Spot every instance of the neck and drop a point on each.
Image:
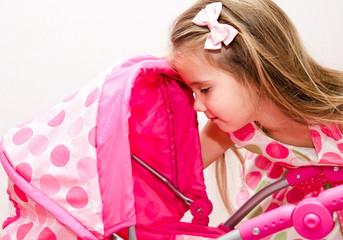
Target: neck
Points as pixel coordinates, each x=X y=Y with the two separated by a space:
x=280 y=127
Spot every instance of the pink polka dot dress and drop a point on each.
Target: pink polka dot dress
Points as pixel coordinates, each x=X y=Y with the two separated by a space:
x=267 y=161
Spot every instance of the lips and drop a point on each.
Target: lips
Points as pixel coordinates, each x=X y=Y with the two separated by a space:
x=212 y=118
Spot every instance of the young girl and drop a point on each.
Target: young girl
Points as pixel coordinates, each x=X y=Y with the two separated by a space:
x=261 y=90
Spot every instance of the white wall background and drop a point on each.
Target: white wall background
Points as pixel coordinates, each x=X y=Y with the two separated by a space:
x=49 y=49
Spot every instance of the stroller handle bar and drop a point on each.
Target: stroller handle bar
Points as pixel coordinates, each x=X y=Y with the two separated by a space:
x=291 y=179
x=254 y=201
x=312 y=218
x=185 y=199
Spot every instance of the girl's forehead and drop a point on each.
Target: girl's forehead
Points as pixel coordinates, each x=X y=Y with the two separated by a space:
x=189 y=58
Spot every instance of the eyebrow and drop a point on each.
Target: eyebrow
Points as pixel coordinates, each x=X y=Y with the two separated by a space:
x=197 y=83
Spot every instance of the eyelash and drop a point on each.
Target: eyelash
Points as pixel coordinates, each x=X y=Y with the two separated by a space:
x=205 y=90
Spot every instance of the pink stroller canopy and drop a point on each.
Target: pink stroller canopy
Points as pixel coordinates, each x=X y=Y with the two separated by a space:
x=71 y=175
x=70 y=170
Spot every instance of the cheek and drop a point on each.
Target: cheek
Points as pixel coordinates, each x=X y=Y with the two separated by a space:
x=218 y=105
x=243 y=97
x=252 y=100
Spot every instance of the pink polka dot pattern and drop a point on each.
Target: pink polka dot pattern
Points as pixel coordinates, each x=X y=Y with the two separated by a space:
x=66 y=234
x=23 y=230
x=316 y=140
x=22 y=136
x=60 y=155
x=77 y=197
x=252 y=179
x=91 y=137
x=57 y=120
x=92 y=97
x=46 y=233
x=331 y=158
x=287 y=155
x=332 y=131
x=25 y=170
x=87 y=168
x=20 y=193
x=65 y=177
x=57 y=154
x=263 y=162
x=286 y=165
x=275 y=171
x=276 y=150
x=49 y=184
x=38 y=144
x=340 y=147
x=6 y=237
x=272 y=206
x=42 y=214
x=36 y=223
x=246 y=133
x=272 y=160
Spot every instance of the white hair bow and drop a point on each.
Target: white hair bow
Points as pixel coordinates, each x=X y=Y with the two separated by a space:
x=218 y=32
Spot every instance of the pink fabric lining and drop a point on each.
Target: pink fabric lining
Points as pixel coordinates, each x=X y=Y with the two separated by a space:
x=62 y=215
x=117 y=189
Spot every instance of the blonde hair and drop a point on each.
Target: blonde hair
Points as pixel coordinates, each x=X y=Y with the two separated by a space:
x=267 y=55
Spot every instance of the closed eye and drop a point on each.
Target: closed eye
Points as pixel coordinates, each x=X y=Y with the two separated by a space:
x=205 y=90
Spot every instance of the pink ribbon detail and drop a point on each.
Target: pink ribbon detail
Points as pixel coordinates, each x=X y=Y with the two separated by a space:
x=219 y=32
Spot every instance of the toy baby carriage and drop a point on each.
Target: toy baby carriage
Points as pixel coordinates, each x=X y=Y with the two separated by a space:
x=71 y=175
x=70 y=170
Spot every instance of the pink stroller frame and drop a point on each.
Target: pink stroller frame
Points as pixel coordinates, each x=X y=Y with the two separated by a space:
x=121 y=159
x=312 y=218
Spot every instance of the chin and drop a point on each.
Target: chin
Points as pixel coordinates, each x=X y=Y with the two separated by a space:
x=227 y=127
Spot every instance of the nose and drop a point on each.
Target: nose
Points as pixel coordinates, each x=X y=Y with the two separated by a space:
x=198 y=105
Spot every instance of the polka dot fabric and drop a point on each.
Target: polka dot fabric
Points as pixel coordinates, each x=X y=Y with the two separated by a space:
x=70 y=169
x=56 y=154
x=35 y=222
x=267 y=161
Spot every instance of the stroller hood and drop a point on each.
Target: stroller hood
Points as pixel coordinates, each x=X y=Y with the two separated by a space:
x=70 y=169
